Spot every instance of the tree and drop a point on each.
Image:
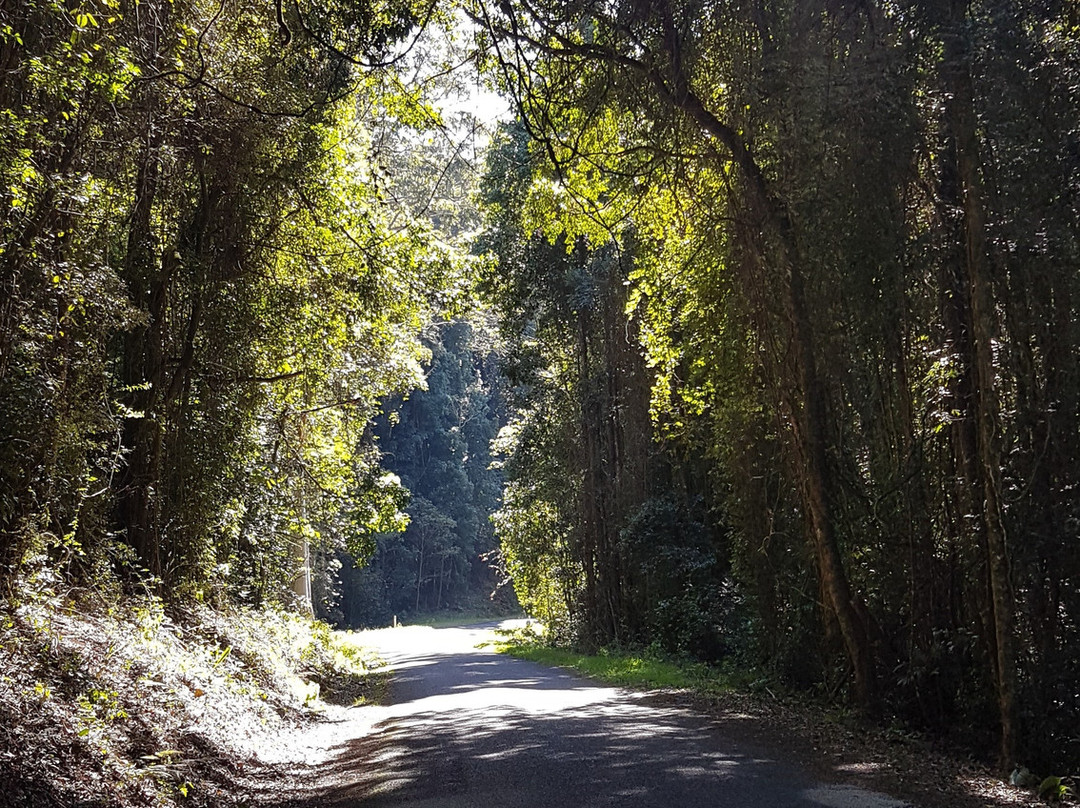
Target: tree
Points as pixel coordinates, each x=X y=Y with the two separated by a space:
x=577 y=452
x=655 y=50
x=841 y=241
x=204 y=290
x=438 y=441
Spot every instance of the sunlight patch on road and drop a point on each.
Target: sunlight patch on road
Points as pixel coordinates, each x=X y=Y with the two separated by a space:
x=494 y=697
x=712 y=769
x=859 y=768
x=414 y=663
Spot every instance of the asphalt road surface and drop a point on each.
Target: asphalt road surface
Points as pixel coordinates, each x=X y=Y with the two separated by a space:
x=468 y=727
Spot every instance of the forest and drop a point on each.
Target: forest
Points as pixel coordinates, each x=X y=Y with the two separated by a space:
x=749 y=334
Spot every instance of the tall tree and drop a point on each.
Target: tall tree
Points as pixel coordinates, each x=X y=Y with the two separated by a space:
x=655 y=50
x=438 y=442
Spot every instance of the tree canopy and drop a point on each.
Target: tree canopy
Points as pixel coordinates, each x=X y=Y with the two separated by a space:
x=828 y=248
x=205 y=296
x=753 y=329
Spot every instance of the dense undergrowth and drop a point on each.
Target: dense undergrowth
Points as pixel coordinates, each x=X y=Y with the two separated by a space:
x=110 y=701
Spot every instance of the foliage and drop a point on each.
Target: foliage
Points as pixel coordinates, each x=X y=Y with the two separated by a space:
x=785 y=300
x=205 y=297
x=843 y=255
x=437 y=441
x=1054 y=789
x=675 y=578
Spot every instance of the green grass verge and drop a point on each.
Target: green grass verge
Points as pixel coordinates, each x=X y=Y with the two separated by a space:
x=631 y=670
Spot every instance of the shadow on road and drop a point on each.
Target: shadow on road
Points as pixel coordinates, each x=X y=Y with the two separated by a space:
x=475 y=729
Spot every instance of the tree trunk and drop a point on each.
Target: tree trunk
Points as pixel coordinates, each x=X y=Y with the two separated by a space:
x=442 y=572
x=301 y=584
x=143 y=371
x=590 y=526
x=810 y=418
x=771 y=239
x=956 y=75
x=420 y=573
x=142 y=368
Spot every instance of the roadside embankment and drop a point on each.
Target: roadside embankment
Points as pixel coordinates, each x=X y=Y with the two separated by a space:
x=127 y=702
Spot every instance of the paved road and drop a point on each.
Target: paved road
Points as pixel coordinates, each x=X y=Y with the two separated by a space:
x=467 y=727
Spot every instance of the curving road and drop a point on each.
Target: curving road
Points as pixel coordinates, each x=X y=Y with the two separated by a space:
x=467 y=727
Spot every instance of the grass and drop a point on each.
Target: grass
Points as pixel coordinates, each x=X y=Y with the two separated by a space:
x=626 y=668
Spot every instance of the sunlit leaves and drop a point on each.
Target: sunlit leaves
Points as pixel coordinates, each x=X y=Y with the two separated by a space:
x=204 y=295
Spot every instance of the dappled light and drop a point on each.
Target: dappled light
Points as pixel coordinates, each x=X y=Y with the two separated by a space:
x=467 y=727
x=738 y=343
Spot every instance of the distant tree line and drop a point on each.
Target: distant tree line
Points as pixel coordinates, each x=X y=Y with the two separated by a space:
x=792 y=309
x=438 y=441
